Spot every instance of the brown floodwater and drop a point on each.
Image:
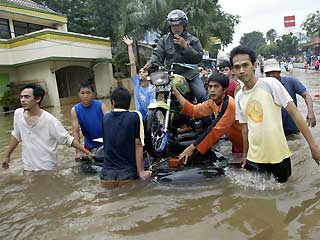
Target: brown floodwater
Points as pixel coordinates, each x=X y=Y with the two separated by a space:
x=65 y=204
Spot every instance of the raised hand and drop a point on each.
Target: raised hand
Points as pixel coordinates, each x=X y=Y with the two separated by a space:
x=127 y=40
x=146 y=67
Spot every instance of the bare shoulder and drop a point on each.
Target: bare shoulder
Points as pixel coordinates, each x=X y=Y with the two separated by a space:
x=73 y=111
x=104 y=108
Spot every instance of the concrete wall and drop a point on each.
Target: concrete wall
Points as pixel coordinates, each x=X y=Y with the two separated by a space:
x=40 y=72
x=56 y=65
x=44 y=73
x=104 y=80
x=103 y=74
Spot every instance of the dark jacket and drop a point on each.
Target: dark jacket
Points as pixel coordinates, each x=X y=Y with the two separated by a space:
x=167 y=52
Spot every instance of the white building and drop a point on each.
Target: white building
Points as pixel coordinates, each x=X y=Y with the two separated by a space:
x=35 y=46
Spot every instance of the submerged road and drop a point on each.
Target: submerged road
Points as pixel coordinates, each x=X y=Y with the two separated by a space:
x=68 y=205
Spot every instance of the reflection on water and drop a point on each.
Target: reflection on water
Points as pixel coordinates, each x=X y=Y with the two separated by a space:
x=66 y=204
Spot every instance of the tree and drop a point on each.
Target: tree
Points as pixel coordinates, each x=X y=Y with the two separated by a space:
x=77 y=12
x=206 y=18
x=288 y=44
x=271 y=35
x=269 y=51
x=252 y=40
x=115 y=18
x=312 y=24
x=94 y=17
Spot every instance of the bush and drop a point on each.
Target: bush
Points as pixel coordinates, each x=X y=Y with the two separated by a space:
x=7 y=99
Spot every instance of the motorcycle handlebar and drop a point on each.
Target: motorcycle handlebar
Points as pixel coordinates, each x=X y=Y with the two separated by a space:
x=156 y=67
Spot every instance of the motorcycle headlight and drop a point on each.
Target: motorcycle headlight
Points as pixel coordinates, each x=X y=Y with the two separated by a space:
x=159 y=78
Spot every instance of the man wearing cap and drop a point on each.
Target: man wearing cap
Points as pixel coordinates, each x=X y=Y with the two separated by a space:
x=293 y=86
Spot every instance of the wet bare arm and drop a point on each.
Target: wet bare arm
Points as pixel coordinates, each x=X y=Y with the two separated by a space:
x=75 y=128
x=144 y=175
x=244 y=129
x=79 y=147
x=132 y=60
x=178 y=95
x=302 y=126
x=311 y=118
x=12 y=146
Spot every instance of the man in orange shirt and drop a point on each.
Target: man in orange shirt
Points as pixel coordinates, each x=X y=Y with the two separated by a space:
x=223 y=110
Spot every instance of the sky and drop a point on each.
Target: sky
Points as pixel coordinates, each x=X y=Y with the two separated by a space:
x=264 y=15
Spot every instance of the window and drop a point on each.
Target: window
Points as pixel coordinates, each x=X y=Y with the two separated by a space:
x=4 y=29
x=21 y=28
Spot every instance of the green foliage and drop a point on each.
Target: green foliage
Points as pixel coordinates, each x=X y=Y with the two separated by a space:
x=312 y=24
x=253 y=40
x=271 y=35
x=116 y=18
x=288 y=45
x=285 y=46
x=269 y=51
x=95 y=17
x=206 y=18
x=7 y=99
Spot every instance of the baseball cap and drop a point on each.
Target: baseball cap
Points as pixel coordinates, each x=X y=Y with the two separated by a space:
x=271 y=65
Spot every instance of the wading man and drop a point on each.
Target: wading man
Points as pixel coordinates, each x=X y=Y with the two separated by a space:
x=294 y=87
x=259 y=111
x=123 y=142
x=87 y=115
x=39 y=132
x=222 y=108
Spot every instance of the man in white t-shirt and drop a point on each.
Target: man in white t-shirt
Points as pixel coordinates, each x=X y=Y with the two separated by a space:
x=39 y=132
x=258 y=110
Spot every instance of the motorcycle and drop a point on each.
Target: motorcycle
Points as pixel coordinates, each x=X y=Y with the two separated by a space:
x=164 y=123
x=205 y=168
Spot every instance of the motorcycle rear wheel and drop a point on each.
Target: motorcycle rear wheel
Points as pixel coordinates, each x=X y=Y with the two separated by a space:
x=156 y=139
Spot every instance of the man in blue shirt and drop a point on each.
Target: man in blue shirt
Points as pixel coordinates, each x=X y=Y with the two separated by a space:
x=294 y=87
x=143 y=95
x=87 y=115
x=123 y=142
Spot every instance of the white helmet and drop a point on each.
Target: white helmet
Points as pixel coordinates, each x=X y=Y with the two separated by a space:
x=176 y=17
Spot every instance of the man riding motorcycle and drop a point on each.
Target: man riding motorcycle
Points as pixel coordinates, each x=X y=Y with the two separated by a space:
x=179 y=46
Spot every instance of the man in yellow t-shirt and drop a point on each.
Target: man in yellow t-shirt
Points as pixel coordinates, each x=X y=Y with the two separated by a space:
x=258 y=109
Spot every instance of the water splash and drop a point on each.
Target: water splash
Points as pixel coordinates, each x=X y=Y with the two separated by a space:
x=253 y=180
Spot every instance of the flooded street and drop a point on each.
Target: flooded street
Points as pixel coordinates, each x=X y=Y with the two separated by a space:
x=66 y=204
